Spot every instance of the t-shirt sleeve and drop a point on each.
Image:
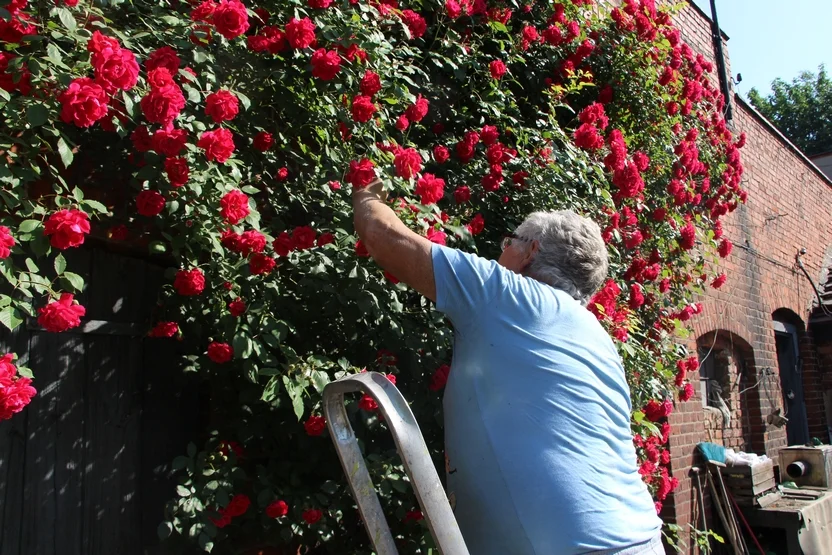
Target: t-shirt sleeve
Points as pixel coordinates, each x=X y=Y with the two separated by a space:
x=465 y=284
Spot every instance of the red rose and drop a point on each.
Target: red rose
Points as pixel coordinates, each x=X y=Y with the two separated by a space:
x=300 y=32
x=234 y=206
x=217 y=144
x=14 y=80
x=303 y=237
x=237 y=307
x=725 y=248
x=259 y=263
x=325 y=64
x=367 y=403
x=251 y=241
x=222 y=106
x=165 y=57
x=719 y=281
x=67 y=228
x=189 y=282
x=142 y=141
x=220 y=353
x=477 y=225
x=441 y=154
x=6 y=242
x=418 y=110
x=370 y=83
x=15 y=396
x=408 y=163
x=325 y=239
x=283 y=244
x=118 y=232
x=61 y=315
x=361 y=173
x=636 y=296
x=277 y=509
x=177 y=171
x=462 y=194
x=492 y=181
x=430 y=188
x=282 y=174
x=83 y=103
x=319 y=4
x=361 y=250
x=587 y=137
x=238 y=505
x=688 y=237
x=315 y=425
x=363 y=108
x=439 y=378
x=686 y=392
x=415 y=23
x=402 y=123
x=230 y=18
x=497 y=69
x=204 y=11
x=169 y=142
x=150 y=203
x=164 y=329
x=99 y=44
x=263 y=141
x=311 y=516
x=438 y=237
x=489 y=135
x=116 y=69
x=162 y=105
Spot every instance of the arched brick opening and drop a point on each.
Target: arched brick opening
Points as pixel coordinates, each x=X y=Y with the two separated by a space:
x=728 y=390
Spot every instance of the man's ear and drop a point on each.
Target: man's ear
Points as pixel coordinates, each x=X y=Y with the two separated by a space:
x=531 y=252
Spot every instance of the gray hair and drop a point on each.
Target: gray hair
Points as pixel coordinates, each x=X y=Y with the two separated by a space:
x=572 y=255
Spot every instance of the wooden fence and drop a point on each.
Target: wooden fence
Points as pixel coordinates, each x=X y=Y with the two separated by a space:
x=85 y=468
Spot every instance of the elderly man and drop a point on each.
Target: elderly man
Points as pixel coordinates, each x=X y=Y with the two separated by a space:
x=539 y=451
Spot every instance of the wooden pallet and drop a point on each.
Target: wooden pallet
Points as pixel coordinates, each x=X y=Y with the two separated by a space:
x=751 y=486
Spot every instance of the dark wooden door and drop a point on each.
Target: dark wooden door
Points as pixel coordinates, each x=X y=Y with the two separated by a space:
x=85 y=468
x=791 y=381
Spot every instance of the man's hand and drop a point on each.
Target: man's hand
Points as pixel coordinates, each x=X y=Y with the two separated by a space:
x=392 y=244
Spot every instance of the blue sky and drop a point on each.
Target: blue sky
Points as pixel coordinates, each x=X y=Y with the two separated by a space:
x=774 y=38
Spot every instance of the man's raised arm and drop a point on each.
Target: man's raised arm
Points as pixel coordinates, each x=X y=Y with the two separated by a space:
x=392 y=244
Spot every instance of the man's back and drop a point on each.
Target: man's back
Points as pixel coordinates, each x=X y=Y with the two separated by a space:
x=537 y=410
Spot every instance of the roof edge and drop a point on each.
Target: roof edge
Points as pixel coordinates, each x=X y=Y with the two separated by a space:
x=783 y=139
x=707 y=17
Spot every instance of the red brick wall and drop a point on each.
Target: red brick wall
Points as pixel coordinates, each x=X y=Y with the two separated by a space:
x=789 y=207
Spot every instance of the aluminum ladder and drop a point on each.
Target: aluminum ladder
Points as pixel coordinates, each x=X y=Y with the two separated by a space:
x=413 y=452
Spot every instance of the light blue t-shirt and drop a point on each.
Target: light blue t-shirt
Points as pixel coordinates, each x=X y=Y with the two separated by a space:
x=539 y=452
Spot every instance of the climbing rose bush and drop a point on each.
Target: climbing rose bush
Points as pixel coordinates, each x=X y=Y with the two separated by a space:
x=225 y=138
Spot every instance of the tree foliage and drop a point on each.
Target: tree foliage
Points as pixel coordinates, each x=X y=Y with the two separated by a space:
x=801 y=110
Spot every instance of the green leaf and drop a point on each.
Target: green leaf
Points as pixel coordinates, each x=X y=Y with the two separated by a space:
x=31 y=266
x=60 y=264
x=10 y=317
x=270 y=391
x=75 y=281
x=244 y=100
x=295 y=392
x=182 y=491
x=54 y=54
x=205 y=542
x=25 y=372
x=95 y=205
x=164 y=530
x=67 y=19
x=28 y=226
x=243 y=346
x=37 y=114
x=65 y=152
x=180 y=462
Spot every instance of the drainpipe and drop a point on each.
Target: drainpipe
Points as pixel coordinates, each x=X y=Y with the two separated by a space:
x=724 y=84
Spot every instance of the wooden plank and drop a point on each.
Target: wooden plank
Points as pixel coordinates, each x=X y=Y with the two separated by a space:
x=744 y=487
x=13 y=455
x=39 y=495
x=111 y=497
x=764 y=467
x=69 y=449
x=768 y=499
